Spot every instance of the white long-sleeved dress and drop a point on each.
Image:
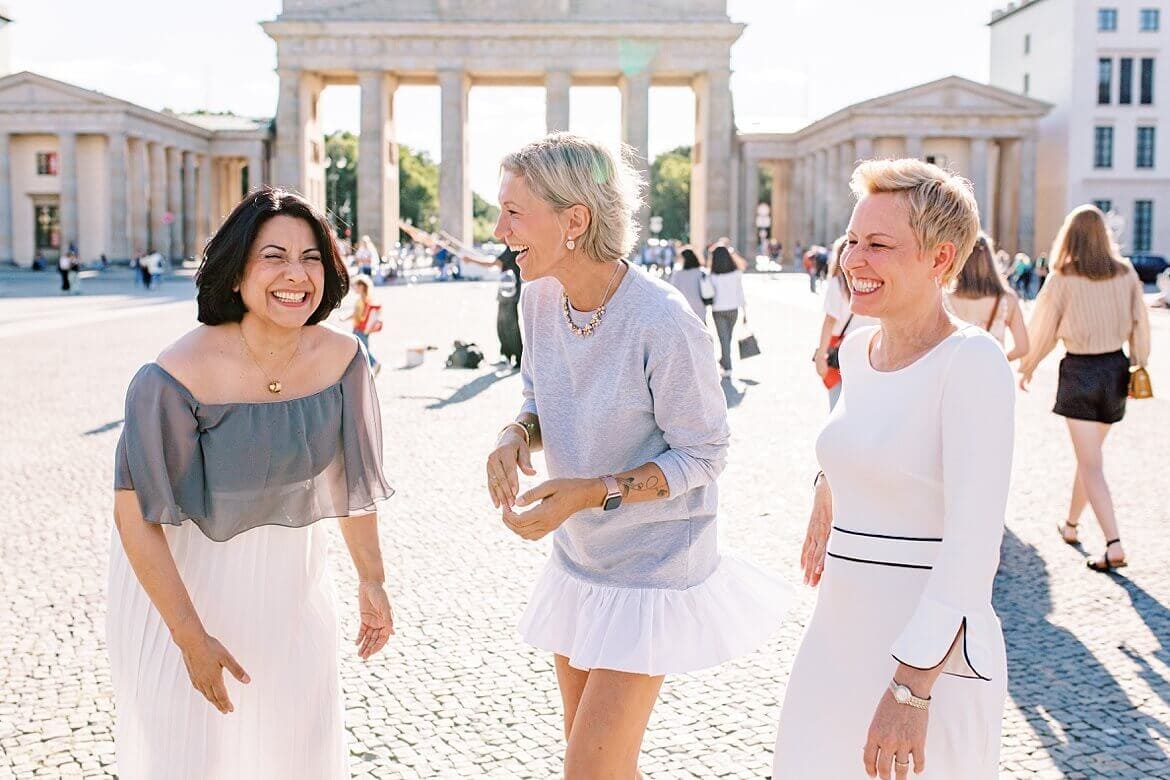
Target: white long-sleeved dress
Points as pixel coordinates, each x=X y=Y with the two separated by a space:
x=919 y=462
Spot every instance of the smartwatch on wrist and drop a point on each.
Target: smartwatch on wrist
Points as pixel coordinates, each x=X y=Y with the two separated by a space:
x=613 y=494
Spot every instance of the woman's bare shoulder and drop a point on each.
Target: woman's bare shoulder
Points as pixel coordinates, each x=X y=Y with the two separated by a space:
x=186 y=357
x=330 y=346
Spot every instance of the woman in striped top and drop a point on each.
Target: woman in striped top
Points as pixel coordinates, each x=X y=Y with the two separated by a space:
x=1093 y=302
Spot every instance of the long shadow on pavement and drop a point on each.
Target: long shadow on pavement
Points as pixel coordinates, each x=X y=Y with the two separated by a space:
x=471 y=389
x=1073 y=703
x=1157 y=618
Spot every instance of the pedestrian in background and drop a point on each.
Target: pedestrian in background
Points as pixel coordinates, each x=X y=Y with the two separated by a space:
x=367 y=317
x=621 y=395
x=242 y=436
x=688 y=280
x=65 y=268
x=727 y=281
x=1094 y=303
x=981 y=296
x=909 y=509
x=839 y=322
x=1023 y=275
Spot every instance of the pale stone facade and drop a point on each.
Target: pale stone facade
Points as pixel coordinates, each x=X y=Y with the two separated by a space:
x=79 y=168
x=984 y=133
x=458 y=44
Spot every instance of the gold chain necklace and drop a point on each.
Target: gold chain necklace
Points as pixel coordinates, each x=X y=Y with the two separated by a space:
x=598 y=313
x=274 y=385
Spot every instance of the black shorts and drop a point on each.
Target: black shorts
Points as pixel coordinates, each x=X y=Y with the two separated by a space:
x=1093 y=387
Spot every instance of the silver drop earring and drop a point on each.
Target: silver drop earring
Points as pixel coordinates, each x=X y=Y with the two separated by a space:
x=570 y=244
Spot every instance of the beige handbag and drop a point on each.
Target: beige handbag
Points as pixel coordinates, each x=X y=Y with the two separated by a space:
x=1139 y=383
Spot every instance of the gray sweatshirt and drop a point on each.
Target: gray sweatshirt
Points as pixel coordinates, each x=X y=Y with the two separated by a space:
x=643 y=387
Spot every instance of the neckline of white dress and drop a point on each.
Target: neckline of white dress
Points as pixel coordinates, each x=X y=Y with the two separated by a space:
x=931 y=351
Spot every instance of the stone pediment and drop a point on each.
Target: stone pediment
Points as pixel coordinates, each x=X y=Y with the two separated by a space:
x=504 y=10
x=953 y=94
x=31 y=91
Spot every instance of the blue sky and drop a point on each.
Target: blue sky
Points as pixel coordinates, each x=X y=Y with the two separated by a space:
x=797 y=61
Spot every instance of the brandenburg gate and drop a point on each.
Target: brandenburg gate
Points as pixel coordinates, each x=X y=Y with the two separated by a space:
x=457 y=44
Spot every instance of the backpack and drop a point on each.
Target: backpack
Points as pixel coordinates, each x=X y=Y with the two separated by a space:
x=465 y=355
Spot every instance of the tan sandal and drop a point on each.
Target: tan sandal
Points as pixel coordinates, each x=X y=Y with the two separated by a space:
x=1062 y=528
x=1107 y=564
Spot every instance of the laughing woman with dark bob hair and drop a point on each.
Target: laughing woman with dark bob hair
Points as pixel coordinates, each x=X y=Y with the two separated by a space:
x=238 y=439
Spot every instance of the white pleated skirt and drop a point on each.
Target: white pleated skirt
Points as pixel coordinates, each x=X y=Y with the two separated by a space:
x=844 y=666
x=268 y=597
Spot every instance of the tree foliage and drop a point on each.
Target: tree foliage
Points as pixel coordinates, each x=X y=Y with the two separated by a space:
x=670 y=192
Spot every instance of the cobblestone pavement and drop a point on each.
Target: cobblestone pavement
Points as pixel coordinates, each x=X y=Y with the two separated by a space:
x=455 y=694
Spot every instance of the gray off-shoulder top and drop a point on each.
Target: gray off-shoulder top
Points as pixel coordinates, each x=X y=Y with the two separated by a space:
x=235 y=466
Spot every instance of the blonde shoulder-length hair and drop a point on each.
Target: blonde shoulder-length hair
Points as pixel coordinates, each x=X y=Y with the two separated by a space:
x=941 y=204
x=1083 y=246
x=566 y=170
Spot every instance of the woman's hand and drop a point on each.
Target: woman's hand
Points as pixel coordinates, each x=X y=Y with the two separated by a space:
x=559 y=499
x=816 y=538
x=897 y=732
x=206 y=659
x=377 y=619
x=822 y=361
x=511 y=452
x=1025 y=380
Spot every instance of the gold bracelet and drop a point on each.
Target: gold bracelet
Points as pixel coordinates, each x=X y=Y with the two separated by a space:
x=523 y=430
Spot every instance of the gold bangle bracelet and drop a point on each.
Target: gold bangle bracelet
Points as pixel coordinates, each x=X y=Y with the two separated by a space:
x=523 y=430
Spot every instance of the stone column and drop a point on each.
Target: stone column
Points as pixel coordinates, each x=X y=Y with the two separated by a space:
x=556 y=100
x=118 y=244
x=832 y=193
x=749 y=182
x=378 y=161
x=208 y=220
x=635 y=89
x=138 y=181
x=1026 y=235
x=820 y=175
x=712 y=158
x=67 y=164
x=256 y=174
x=160 y=234
x=980 y=180
x=290 y=132
x=6 y=254
x=190 y=210
x=781 y=185
x=174 y=163
x=862 y=150
x=454 y=182
x=914 y=146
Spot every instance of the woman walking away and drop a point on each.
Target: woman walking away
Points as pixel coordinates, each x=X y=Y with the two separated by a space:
x=367 y=317
x=727 y=279
x=982 y=297
x=689 y=280
x=621 y=394
x=839 y=322
x=222 y=622
x=903 y=663
x=1093 y=301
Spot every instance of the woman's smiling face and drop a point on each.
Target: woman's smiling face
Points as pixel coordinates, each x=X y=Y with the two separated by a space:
x=284 y=279
x=531 y=227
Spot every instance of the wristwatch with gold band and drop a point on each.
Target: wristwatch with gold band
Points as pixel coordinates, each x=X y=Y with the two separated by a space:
x=903 y=695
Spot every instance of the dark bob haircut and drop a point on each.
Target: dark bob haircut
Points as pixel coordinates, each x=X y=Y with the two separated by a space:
x=227 y=252
x=690 y=259
x=721 y=261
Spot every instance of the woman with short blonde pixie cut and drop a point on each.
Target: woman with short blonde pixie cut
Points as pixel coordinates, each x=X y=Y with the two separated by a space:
x=1094 y=302
x=909 y=508
x=621 y=393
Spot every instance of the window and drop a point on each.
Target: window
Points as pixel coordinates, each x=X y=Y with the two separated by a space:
x=1105 y=205
x=1104 y=81
x=1125 y=81
x=1027 y=84
x=1143 y=224
x=1106 y=19
x=1103 y=147
x=46 y=163
x=1145 y=147
x=1147 y=95
x=1027 y=43
x=1149 y=20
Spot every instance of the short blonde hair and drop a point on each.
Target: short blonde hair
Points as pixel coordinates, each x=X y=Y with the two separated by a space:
x=941 y=204
x=566 y=170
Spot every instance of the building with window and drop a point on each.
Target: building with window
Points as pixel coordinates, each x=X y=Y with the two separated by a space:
x=1101 y=65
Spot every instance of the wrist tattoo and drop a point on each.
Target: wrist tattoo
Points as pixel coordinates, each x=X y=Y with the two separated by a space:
x=626 y=484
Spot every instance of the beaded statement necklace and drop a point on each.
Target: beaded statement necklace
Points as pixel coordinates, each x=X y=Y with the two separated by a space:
x=598 y=313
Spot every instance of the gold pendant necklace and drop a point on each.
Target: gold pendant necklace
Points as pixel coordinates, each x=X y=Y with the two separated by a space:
x=274 y=385
x=595 y=320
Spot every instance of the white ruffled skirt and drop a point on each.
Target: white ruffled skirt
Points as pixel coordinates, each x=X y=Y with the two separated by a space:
x=655 y=631
x=267 y=596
